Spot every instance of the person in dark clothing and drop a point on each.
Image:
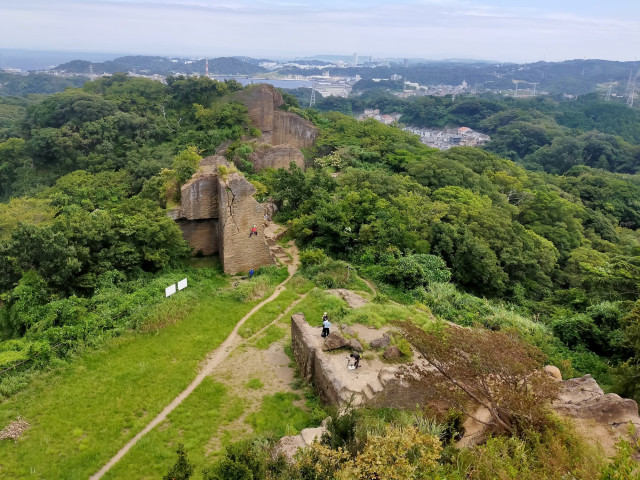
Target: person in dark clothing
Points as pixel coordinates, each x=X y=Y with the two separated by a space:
x=356 y=357
x=325 y=325
x=251 y=273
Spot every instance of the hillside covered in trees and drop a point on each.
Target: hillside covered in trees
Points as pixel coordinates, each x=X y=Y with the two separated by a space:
x=535 y=237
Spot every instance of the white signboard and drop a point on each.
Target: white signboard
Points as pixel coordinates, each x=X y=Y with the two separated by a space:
x=182 y=284
x=170 y=290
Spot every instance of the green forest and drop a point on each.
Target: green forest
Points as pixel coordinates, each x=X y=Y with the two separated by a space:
x=535 y=235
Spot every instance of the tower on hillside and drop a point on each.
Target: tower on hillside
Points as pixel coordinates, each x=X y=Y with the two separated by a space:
x=312 y=100
x=355 y=59
x=206 y=67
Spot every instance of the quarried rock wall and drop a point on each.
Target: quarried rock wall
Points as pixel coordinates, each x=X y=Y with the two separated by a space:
x=400 y=385
x=277 y=126
x=279 y=156
x=201 y=235
x=239 y=212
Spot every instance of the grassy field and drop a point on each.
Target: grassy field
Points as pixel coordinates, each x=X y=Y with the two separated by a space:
x=83 y=413
x=192 y=424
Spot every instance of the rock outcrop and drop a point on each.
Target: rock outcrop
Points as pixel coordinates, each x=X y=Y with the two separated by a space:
x=279 y=156
x=599 y=416
x=278 y=127
x=216 y=215
x=376 y=383
x=239 y=211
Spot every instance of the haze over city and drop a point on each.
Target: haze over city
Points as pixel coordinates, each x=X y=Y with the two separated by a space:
x=432 y=29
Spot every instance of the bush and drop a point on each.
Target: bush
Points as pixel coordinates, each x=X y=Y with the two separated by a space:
x=418 y=270
x=182 y=469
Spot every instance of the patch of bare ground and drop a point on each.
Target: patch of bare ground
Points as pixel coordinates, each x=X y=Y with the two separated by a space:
x=14 y=430
x=271 y=367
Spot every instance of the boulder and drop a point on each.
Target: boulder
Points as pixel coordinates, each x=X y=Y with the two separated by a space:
x=334 y=341
x=354 y=344
x=392 y=352
x=347 y=330
x=381 y=342
x=553 y=372
x=583 y=398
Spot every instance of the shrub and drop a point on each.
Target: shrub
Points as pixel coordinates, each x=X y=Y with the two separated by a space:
x=417 y=270
x=182 y=469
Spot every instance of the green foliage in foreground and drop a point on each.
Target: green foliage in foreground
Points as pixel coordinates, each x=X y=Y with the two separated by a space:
x=399 y=445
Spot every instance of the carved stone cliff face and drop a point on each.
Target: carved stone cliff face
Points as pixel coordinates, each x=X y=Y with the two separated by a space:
x=239 y=211
x=279 y=156
x=277 y=126
x=216 y=216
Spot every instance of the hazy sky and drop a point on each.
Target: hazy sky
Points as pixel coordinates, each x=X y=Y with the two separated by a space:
x=483 y=29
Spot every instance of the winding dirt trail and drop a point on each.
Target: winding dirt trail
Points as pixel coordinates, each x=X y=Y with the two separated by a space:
x=212 y=361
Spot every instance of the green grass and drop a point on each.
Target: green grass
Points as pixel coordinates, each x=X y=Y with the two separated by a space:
x=316 y=303
x=255 y=384
x=278 y=415
x=193 y=424
x=81 y=414
x=270 y=335
x=268 y=313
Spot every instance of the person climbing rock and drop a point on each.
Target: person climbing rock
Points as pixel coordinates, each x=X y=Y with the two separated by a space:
x=356 y=357
x=325 y=325
x=254 y=231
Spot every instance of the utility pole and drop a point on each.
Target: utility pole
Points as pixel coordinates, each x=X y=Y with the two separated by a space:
x=312 y=100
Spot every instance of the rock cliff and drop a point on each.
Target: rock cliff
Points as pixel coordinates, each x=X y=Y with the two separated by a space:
x=239 y=211
x=279 y=156
x=278 y=127
x=216 y=215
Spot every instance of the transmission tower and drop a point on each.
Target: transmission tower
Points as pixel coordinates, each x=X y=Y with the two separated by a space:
x=631 y=88
x=90 y=72
x=608 y=96
x=535 y=84
x=312 y=100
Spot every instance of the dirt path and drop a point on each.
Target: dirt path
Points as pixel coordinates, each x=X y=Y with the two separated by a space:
x=211 y=362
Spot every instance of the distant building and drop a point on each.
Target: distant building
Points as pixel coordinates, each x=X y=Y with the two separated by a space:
x=395 y=77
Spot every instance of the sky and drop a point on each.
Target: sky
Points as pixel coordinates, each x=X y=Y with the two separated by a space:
x=500 y=30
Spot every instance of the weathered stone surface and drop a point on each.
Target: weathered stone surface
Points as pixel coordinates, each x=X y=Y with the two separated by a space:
x=293 y=130
x=392 y=352
x=351 y=298
x=381 y=342
x=354 y=344
x=553 y=372
x=201 y=235
x=279 y=156
x=398 y=385
x=199 y=197
x=583 y=398
x=334 y=341
x=347 y=330
x=288 y=446
x=278 y=126
x=239 y=211
x=600 y=418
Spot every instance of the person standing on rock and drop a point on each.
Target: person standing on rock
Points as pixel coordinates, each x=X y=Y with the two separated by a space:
x=254 y=231
x=356 y=357
x=325 y=325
